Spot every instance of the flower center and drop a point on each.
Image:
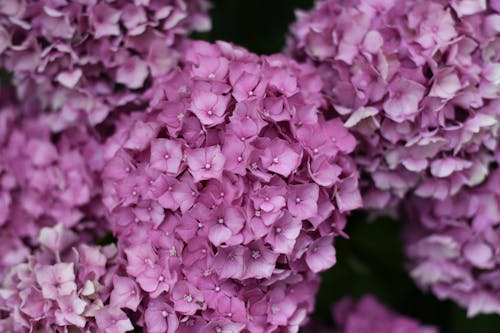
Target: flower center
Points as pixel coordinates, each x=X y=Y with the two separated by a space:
x=256 y=254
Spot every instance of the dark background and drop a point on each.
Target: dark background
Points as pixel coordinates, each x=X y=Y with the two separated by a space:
x=372 y=260
x=259 y=25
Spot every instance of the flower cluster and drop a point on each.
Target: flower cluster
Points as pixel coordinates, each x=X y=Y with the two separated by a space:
x=369 y=315
x=453 y=246
x=228 y=192
x=418 y=82
x=45 y=179
x=66 y=285
x=82 y=59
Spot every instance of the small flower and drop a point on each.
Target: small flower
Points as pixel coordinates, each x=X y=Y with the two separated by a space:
x=302 y=200
x=143 y=265
x=284 y=233
x=57 y=238
x=187 y=299
x=209 y=107
x=205 y=163
x=229 y=262
x=321 y=254
x=166 y=155
x=405 y=96
x=71 y=311
x=260 y=261
x=160 y=317
x=113 y=320
x=57 y=280
x=280 y=158
x=125 y=294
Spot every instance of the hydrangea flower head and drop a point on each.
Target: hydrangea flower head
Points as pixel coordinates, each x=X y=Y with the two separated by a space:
x=369 y=315
x=79 y=60
x=46 y=179
x=416 y=81
x=221 y=193
x=452 y=246
x=53 y=290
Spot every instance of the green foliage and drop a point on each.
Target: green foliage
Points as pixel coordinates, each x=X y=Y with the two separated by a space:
x=5 y=77
x=106 y=239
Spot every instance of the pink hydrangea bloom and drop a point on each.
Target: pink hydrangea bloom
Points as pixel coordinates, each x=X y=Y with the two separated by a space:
x=80 y=60
x=369 y=315
x=51 y=291
x=220 y=193
x=416 y=81
x=452 y=246
x=46 y=179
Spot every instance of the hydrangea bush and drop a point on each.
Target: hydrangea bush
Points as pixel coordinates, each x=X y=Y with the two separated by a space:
x=418 y=81
x=81 y=59
x=227 y=193
x=213 y=196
